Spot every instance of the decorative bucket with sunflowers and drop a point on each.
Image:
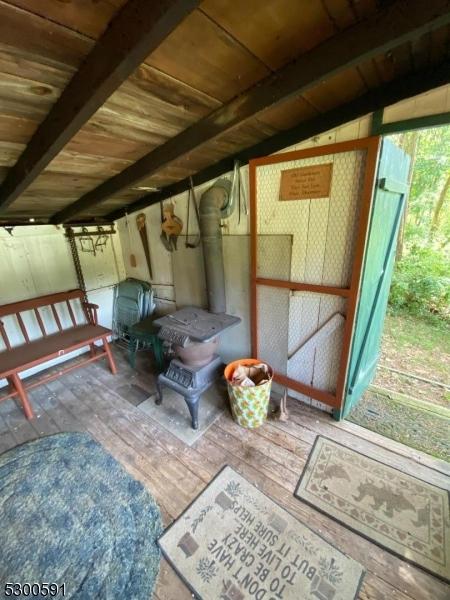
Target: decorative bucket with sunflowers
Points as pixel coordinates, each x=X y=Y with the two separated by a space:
x=249 y=404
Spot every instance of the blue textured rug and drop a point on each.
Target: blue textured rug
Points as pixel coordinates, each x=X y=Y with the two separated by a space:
x=69 y=513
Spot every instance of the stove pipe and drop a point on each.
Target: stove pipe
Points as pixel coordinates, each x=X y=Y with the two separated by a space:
x=212 y=204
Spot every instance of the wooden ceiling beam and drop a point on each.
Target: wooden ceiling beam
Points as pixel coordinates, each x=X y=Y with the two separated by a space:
x=17 y=222
x=376 y=99
x=137 y=29
x=400 y=22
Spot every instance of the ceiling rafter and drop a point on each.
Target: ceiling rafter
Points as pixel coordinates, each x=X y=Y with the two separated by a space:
x=400 y=22
x=378 y=98
x=137 y=29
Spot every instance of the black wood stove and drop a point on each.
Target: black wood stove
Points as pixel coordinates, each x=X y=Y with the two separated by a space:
x=194 y=333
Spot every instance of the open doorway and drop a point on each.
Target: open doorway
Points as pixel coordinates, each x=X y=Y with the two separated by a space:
x=409 y=397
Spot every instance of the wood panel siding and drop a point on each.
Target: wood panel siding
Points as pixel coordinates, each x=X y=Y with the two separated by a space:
x=336 y=90
x=203 y=55
x=136 y=30
x=84 y=16
x=363 y=40
x=384 y=96
x=275 y=31
x=205 y=67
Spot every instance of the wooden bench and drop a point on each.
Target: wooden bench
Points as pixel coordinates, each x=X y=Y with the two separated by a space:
x=62 y=308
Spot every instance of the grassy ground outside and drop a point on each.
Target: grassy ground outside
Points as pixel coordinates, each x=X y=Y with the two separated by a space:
x=420 y=347
x=402 y=408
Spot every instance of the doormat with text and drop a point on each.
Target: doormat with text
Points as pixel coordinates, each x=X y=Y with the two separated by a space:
x=235 y=543
x=407 y=516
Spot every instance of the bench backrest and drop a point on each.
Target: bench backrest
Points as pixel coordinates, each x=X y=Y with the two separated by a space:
x=75 y=313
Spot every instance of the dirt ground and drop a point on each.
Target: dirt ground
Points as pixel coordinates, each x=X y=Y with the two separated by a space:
x=419 y=347
x=416 y=427
x=418 y=414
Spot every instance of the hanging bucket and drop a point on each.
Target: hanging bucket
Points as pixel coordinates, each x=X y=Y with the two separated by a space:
x=249 y=405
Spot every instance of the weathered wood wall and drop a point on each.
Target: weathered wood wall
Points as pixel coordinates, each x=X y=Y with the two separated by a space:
x=37 y=261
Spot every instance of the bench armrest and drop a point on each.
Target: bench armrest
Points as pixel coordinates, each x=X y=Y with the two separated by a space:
x=91 y=310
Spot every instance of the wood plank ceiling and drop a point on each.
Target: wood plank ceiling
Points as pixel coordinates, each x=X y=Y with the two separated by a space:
x=213 y=58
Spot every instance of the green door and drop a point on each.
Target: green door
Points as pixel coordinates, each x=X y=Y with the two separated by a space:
x=387 y=208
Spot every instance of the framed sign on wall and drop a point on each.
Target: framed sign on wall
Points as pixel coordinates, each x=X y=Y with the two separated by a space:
x=306 y=183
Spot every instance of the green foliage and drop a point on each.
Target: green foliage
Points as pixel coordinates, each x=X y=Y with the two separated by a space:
x=421 y=283
x=431 y=167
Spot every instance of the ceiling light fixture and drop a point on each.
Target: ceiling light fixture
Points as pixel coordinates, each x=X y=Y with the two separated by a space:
x=146 y=188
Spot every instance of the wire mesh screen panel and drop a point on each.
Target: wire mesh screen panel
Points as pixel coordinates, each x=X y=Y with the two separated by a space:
x=274 y=255
x=300 y=334
x=273 y=324
x=316 y=326
x=304 y=292
x=323 y=229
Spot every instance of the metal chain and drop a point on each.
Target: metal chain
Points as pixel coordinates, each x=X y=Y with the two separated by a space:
x=76 y=261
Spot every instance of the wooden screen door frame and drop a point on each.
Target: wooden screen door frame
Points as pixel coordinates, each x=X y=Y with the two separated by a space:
x=372 y=147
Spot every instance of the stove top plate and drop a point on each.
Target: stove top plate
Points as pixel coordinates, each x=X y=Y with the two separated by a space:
x=197 y=324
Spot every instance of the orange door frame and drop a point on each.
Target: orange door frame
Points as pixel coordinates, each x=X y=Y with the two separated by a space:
x=372 y=146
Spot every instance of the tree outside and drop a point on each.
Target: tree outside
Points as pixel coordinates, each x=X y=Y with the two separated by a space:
x=417 y=331
x=409 y=399
x=421 y=282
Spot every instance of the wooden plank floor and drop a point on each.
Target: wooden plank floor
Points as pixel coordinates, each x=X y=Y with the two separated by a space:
x=91 y=399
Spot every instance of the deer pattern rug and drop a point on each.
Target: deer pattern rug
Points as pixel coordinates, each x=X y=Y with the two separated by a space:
x=403 y=514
